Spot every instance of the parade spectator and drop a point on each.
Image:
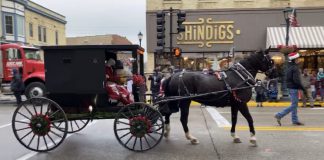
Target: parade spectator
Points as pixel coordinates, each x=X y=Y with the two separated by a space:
x=260 y=90
x=313 y=84
x=272 y=89
x=293 y=83
x=320 y=80
x=17 y=85
x=306 y=82
x=155 y=82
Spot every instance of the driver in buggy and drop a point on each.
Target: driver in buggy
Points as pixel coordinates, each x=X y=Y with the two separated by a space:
x=115 y=88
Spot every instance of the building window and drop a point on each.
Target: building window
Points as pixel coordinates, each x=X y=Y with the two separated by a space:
x=56 y=38
x=42 y=34
x=39 y=33
x=31 y=32
x=20 y=25
x=9 y=23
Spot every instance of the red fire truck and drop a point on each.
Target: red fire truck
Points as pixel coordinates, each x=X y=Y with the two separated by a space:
x=29 y=59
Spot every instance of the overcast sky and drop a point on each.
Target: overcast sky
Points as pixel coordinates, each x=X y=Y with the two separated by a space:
x=98 y=17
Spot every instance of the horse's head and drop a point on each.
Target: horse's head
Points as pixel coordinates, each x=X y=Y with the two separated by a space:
x=264 y=62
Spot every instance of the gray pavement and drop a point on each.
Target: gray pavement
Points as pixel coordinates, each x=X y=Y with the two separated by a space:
x=97 y=141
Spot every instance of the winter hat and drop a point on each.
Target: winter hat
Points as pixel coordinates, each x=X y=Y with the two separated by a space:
x=293 y=55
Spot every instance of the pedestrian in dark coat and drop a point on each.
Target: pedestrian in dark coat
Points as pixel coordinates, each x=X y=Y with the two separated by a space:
x=17 y=85
x=155 y=82
x=294 y=84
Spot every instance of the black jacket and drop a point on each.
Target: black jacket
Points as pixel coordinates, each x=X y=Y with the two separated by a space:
x=155 y=81
x=17 y=85
x=293 y=77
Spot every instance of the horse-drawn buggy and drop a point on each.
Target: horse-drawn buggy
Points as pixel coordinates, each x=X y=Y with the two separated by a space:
x=81 y=87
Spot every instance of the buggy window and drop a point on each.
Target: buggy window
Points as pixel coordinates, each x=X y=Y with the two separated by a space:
x=32 y=54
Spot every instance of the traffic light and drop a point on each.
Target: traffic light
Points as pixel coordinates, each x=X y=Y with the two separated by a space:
x=160 y=28
x=177 y=52
x=181 y=19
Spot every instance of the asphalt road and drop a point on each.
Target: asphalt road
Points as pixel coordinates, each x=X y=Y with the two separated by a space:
x=97 y=140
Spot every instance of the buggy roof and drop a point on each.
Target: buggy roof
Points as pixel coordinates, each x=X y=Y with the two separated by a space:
x=109 y=47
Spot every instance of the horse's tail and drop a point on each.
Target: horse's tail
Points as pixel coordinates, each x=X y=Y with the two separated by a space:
x=165 y=86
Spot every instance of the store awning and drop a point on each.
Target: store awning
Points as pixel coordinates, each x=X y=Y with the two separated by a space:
x=303 y=37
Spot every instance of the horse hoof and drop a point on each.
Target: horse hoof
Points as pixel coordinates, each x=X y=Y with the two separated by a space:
x=194 y=141
x=237 y=140
x=166 y=135
x=253 y=142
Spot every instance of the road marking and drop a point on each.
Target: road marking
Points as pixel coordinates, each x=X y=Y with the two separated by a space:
x=272 y=113
x=33 y=153
x=218 y=118
x=317 y=108
x=279 y=128
x=6 y=125
x=9 y=124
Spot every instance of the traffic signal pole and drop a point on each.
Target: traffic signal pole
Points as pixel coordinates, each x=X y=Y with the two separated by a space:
x=171 y=32
x=161 y=29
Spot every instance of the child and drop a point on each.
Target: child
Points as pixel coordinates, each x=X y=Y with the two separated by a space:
x=260 y=89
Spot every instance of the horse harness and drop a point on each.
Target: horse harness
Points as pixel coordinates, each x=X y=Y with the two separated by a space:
x=240 y=70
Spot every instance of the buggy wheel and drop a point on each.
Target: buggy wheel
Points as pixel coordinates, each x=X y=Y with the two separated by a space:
x=74 y=125
x=139 y=127
x=33 y=124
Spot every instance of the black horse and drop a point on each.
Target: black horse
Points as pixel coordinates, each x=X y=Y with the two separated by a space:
x=231 y=87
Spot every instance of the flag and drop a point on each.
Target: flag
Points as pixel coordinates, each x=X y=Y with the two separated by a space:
x=293 y=19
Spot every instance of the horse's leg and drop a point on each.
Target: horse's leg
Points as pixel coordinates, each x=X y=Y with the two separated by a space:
x=167 y=125
x=184 y=107
x=234 y=111
x=246 y=113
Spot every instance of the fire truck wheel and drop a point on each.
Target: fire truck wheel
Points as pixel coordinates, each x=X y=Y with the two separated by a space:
x=35 y=89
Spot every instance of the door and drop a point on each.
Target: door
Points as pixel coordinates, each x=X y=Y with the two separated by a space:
x=12 y=59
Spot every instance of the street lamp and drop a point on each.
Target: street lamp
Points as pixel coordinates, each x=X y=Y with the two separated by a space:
x=140 y=37
x=286 y=49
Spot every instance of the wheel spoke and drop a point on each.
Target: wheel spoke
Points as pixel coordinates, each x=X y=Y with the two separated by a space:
x=27 y=109
x=22 y=122
x=59 y=120
x=121 y=129
x=25 y=135
x=54 y=113
x=24 y=115
x=31 y=140
x=38 y=142
x=141 y=144
x=77 y=124
x=23 y=128
x=56 y=134
x=124 y=135
x=147 y=141
x=33 y=106
x=134 y=143
x=45 y=142
x=123 y=122
x=128 y=140
x=71 y=126
x=51 y=139
x=83 y=122
x=124 y=116
x=151 y=137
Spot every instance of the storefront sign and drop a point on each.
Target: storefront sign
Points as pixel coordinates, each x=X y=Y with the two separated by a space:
x=207 y=32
